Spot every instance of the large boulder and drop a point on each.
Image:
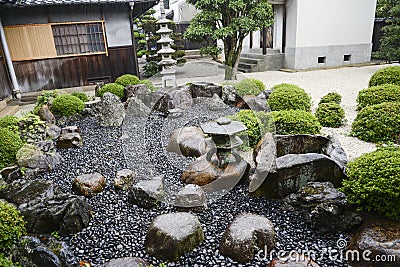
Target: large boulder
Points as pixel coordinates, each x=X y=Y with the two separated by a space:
x=65 y=213
x=245 y=234
x=126 y=262
x=70 y=137
x=124 y=179
x=178 y=97
x=136 y=107
x=204 y=89
x=191 y=197
x=89 y=184
x=256 y=103
x=213 y=103
x=111 y=110
x=46 y=115
x=380 y=238
x=172 y=235
x=140 y=91
x=325 y=207
x=187 y=141
x=23 y=191
x=147 y=193
x=300 y=144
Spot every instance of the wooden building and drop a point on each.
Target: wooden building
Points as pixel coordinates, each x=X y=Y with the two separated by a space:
x=49 y=44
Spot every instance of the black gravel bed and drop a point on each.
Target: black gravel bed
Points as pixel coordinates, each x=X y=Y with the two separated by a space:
x=118 y=229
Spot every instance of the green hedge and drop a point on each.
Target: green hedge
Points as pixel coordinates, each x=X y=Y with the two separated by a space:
x=331 y=97
x=127 y=79
x=249 y=86
x=330 y=114
x=388 y=75
x=10 y=143
x=296 y=122
x=113 y=88
x=373 y=182
x=378 y=123
x=378 y=94
x=12 y=226
x=67 y=105
x=289 y=97
x=4 y=262
x=9 y=122
x=82 y=96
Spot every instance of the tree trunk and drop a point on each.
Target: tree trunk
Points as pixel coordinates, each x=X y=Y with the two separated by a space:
x=232 y=49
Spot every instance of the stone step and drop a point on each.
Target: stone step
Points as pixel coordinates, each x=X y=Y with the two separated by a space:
x=250 y=60
x=246 y=66
x=9 y=111
x=3 y=104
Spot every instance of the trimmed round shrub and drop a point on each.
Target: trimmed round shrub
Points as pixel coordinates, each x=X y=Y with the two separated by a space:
x=149 y=84
x=388 y=75
x=67 y=105
x=9 y=122
x=373 y=182
x=113 y=88
x=377 y=95
x=127 y=79
x=4 y=262
x=46 y=98
x=249 y=86
x=331 y=97
x=296 y=122
x=330 y=115
x=10 y=143
x=12 y=226
x=82 y=96
x=289 y=97
x=378 y=123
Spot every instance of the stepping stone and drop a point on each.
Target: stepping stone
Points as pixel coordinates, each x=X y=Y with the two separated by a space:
x=191 y=197
x=172 y=235
x=89 y=184
x=147 y=193
x=126 y=262
x=124 y=179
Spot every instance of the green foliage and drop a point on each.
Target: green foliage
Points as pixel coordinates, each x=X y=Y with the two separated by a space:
x=12 y=226
x=113 y=88
x=178 y=54
x=9 y=122
x=31 y=127
x=249 y=86
x=142 y=52
x=56 y=234
x=378 y=123
x=151 y=68
x=296 y=122
x=67 y=105
x=330 y=115
x=127 y=79
x=4 y=262
x=331 y=97
x=46 y=98
x=378 y=94
x=10 y=143
x=373 y=182
x=82 y=96
x=211 y=50
x=289 y=97
x=149 y=84
x=388 y=75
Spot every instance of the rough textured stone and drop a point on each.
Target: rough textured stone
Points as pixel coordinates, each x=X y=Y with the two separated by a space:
x=70 y=137
x=11 y=173
x=124 y=179
x=135 y=106
x=335 y=151
x=178 y=97
x=187 y=141
x=172 y=235
x=53 y=131
x=22 y=191
x=381 y=237
x=46 y=115
x=65 y=213
x=256 y=103
x=137 y=90
x=244 y=233
x=111 y=111
x=213 y=103
x=126 y=262
x=300 y=144
x=293 y=260
x=229 y=94
x=325 y=207
x=201 y=172
x=204 y=89
x=191 y=197
x=147 y=193
x=88 y=184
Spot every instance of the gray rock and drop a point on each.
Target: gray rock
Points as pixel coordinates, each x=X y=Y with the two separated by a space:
x=175 y=113
x=89 y=184
x=244 y=235
x=147 y=193
x=53 y=131
x=70 y=137
x=213 y=103
x=229 y=94
x=172 y=235
x=126 y=262
x=65 y=213
x=23 y=191
x=46 y=115
x=178 y=97
x=135 y=106
x=204 y=89
x=293 y=260
x=111 y=110
x=300 y=144
x=187 y=141
x=325 y=207
x=93 y=103
x=191 y=197
x=265 y=94
x=256 y=103
x=124 y=179
x=140 y=91
x=335 y=151
x=11 y=173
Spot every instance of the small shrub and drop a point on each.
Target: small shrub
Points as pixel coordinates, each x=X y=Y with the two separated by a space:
x=149 y=84
x=10 y=143
x=249 y=86
x=388 y=75
x=331 y=97
x=4 y=262
x=330 y=115
x=377 y=95
x=113 y=88
x=127 y=79
x=296 y=122
x=81 y=96
x=373 y=182
x=9 y=122
x=378 y=123
x=46 y=98
x=67 y=105
x=151 y=68
x=289 y=97
x=12 y=226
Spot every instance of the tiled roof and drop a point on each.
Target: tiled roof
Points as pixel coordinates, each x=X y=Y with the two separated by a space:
x=64 y=2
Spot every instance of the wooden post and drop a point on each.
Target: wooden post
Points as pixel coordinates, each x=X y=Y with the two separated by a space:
x=251 y=40
x=264 y=41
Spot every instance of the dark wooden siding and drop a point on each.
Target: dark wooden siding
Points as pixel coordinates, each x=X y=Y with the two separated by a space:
x=74 y=71
x=5 y=84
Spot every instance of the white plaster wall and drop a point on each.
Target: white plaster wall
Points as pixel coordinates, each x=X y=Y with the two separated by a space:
x=118 y=30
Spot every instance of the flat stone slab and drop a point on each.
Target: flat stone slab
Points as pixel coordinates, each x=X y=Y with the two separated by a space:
x=191 y=197
x=171 y=235
x=126 y=262
x=147 y=193
x=89 y=184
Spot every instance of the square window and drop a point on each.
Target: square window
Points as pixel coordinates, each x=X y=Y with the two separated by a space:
x=321 y=60
x=347 y=58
